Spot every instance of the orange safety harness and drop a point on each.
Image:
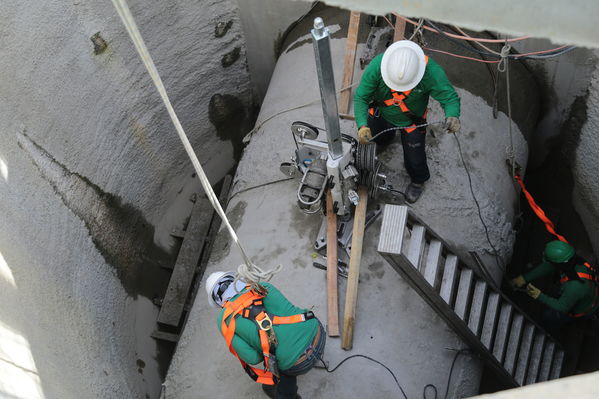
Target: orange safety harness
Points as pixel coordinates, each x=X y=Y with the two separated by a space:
x=591 y=276
x=397 y=100
x=251 y=306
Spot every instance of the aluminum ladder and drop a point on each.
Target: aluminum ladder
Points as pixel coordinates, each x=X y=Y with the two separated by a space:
x=507 y=340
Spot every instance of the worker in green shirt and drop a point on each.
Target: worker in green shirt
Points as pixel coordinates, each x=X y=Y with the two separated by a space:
x=578 y=284
x=263 y=326
x=393 y=95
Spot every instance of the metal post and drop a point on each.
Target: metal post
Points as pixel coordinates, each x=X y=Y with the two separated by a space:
x=326 y=81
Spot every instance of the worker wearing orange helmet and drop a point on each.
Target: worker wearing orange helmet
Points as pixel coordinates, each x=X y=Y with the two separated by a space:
x=394 y=93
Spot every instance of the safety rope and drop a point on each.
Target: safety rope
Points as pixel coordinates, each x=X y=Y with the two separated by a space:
x=504 y=66
x=538 y=211
x=248 y=271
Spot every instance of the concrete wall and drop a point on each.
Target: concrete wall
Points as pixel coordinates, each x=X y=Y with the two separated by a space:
x=553 y=19
x=580 y=386
x=92 y=179
x=585 y=165
x=265 y=22
x=561 y=81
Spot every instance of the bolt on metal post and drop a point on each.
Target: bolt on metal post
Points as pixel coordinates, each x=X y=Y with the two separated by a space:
x=326 y=81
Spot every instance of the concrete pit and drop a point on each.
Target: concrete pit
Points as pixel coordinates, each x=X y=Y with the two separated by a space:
x=93 y=181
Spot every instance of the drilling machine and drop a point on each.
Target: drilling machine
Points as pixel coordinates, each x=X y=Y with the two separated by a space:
x=339 y=164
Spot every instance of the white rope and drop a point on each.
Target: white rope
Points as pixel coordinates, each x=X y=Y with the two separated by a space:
x=506 y=68
x=248 y=272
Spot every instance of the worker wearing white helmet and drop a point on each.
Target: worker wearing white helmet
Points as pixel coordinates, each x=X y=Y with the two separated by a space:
x=265 y=327
x=394 y=93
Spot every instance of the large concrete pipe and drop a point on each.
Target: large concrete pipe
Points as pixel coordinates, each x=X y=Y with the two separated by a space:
x=394 y=325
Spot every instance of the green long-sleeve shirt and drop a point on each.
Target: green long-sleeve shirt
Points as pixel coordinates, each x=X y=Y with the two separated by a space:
x=575 y=296
x=293 y=339
x=434 y=83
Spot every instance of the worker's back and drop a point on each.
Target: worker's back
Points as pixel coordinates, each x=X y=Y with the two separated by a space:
x=292 y=338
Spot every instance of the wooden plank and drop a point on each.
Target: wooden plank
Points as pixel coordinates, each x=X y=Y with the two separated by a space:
x=223 y=198
x=350 y=60
x=351 y=296
x=187 y=261
x=165 y=336
x=332 y=294
x=400 y=28
x=176 y=232
x=215 y=223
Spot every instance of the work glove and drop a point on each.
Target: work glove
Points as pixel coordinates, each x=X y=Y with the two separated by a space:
x=452 y=124
x=517 y=282
x=364 y=135
x=533 y=291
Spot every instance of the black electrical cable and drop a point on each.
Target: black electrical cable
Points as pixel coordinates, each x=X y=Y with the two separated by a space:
x=372 y=360
x=513 y=56
x=480 y=216
x=455 y=358
x=426 y=387
x=260 y=185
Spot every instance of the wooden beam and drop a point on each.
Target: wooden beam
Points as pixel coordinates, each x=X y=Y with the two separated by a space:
x=332 y=294
x=185 y=267
x=351 y=296
x=350 y=60
x=400 y=28
x=165 y=336
x=223 y=198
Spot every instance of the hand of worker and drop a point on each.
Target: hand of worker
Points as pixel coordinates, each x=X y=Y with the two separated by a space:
x=364 y=135
x=452 y=124
x=533 y=291
x=517 y=282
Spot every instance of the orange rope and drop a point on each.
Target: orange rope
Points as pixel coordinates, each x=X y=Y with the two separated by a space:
x=539 y=212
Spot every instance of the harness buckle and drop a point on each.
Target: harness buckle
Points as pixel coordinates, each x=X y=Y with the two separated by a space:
x=261 y=322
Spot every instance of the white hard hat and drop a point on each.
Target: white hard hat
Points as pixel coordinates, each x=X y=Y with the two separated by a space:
x=213 y=283
x=403 y=65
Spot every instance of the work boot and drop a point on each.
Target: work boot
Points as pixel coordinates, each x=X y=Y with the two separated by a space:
x=270 y=390
x=413 y=192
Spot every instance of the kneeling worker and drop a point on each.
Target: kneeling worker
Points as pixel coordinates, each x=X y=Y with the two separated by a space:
x=394 y=93
x=579 y=289
x=266 y=327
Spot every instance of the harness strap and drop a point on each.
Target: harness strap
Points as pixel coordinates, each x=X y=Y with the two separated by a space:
x=397 y=99
x=590 y=309
x=589 y=277
x=250 y=305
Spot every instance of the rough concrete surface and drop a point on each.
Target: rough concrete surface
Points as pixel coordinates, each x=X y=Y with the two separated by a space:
x=580 y=386
x=93 y=178
x=265 y=23
x=586 y=164
x=552 y=19
x=394 y=325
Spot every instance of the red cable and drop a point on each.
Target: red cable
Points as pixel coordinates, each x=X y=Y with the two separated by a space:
x=474 y=39
x=541 y=52
x=461 y=56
